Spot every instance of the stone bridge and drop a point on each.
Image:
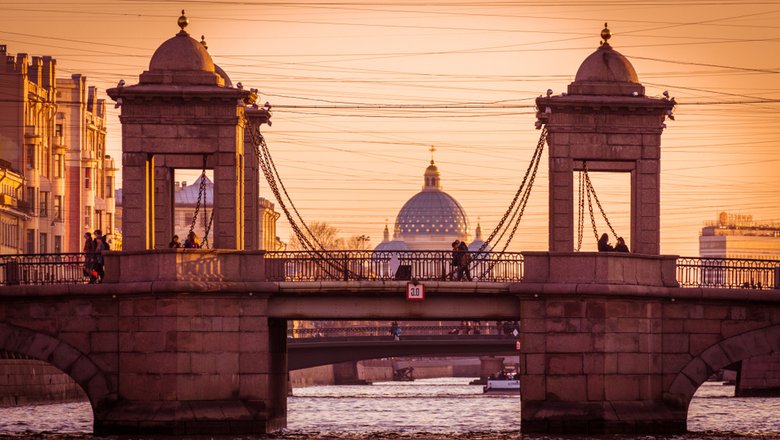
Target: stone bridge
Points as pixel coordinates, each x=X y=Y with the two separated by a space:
x=610 y=344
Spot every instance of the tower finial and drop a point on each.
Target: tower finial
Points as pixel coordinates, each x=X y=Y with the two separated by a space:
x=203 y=42
x=183 y=21
x=432 y=150
x=605 y=34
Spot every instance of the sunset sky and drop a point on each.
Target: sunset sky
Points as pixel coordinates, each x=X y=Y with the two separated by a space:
x=361 y=90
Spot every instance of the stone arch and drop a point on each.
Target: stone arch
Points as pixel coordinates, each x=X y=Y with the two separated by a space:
x=726 y=352
x=68 y=359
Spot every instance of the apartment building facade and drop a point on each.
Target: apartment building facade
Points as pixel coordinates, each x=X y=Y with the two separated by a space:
x=43 y=127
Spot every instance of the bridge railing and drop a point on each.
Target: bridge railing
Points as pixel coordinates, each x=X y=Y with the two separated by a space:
x=473 y=328
x=67 y=268
x=42 y=269
x=727 y=273
x=388 y=265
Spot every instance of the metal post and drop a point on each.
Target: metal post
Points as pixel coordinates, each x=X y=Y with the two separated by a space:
x=777 y=277
x=12 y=273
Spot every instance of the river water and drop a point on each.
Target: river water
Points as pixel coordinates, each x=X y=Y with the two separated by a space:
x=431 y=409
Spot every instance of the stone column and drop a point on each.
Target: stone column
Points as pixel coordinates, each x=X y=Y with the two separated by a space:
x=646 y=190
x=561 y=221
x=137 y=201
x=163 y=206
x=228 y=202
x=251 y=197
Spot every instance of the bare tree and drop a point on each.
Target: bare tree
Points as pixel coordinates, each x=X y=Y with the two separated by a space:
x=328 y=236
x=325 y=234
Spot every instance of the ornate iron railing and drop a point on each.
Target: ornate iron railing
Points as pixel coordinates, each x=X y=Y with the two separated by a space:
x=389 y=265
x=42 y=269
x=400 y=265
x=465 y=328
x=727 y=273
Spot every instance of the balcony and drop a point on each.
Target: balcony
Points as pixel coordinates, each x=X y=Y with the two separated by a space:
x=8 y=200
x=31 y=132
x=24 y=206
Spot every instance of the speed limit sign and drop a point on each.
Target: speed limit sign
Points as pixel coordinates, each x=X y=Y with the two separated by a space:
x=415 y=291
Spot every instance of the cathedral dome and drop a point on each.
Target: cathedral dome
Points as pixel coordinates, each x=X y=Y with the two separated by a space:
x=432 y=213
x=431 y=219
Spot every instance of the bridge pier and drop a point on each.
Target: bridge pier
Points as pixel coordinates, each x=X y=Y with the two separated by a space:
x=759 y=377
x=591 y=361
x=196 y=364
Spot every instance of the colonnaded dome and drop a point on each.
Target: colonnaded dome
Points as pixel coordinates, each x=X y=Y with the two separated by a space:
x=431 y=219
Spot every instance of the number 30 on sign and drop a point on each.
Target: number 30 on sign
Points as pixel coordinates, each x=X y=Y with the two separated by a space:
x=415 y=291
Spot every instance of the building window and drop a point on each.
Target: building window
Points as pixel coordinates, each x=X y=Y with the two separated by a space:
x=109 y=223
x=88 y=178
x=109 y=187
x=10 y=233
x=58 y=208
x=31 y=199
x=58 y=244
x=58 y=130
x=44 y=249
x=44 y=208
x=88 y=218
x=58 y=166
x=30 y=156
x=30 y=249
x=98 y=219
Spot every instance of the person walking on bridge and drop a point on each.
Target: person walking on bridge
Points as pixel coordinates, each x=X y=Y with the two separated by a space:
x=455 y=273
x=395 y=330
x=464 y=271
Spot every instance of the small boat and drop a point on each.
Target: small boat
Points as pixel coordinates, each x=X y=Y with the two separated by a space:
x=505 y=383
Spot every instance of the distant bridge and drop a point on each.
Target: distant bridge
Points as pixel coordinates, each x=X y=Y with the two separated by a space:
x=312 y=352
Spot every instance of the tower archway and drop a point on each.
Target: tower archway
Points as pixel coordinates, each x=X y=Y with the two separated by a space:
x=605 y=123
x=184 y=113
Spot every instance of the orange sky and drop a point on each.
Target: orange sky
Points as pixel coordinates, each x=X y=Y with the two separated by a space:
x=355 y=167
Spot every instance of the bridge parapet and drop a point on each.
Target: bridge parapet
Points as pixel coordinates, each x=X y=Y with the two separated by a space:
x=600 y=268
x=205 y=265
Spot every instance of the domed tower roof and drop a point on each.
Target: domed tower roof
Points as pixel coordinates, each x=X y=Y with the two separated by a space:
x=218 y=70
x=387 y=245
x=478 y=241
x=431 y=213
x=181 y=60
x=606 y=72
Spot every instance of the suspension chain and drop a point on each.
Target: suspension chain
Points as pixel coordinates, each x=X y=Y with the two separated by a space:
x=523 y=193
x=205 y=241
x=271 y=175
x=598 y=203
x=537 y=154
x=590 y=209
x=201 y=194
